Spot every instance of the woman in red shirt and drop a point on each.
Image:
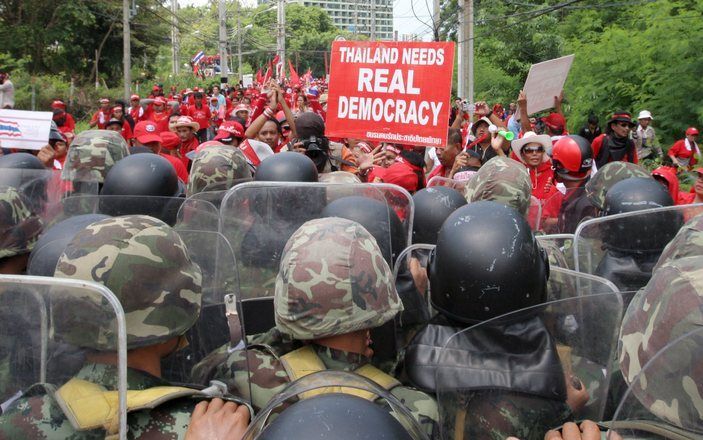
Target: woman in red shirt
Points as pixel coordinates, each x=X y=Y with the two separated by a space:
x=683 y=152
x=531 y=151
x=201 y=114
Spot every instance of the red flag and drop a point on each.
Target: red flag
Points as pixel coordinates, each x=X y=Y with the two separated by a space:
x=259 y=77
x=294 y=78
x=267 y=76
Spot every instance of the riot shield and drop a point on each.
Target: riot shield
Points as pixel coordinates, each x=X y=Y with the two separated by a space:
x=412 y=284
x=458 y=185
x=40 y=189
x=52 y=332
x=258 y=218
x=325 y=382
x=558 y=248
x=624 y=247
x=566 y=283
x=528 y=371
x=213 y=254
x=663 y=400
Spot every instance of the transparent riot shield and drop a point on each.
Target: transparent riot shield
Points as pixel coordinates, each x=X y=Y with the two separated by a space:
x=534 y=214
x=458 y=185
x=563 y=210
x=53 y=333
x=40 y=189
x=213 y=254
x=524 y=373
x=566 y=283
x=623 y=248
x=412 y=284
x=325 y=382
x=258 y=218
x=663 y=400
x=558 y=248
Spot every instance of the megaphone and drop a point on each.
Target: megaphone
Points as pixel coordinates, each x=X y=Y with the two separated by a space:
x=507 y=134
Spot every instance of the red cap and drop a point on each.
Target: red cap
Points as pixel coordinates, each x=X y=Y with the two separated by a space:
x=402 y=175
x=133 y=97
x=159 y=100
x=58 y=104
x=555 y=121
x=169 y=139
x=691 y=131
x=146 y=132
x=230 y=129
x=155 y=88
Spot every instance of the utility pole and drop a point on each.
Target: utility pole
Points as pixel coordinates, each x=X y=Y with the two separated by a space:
x=127 y=50
x=465 y=87
x=281 y=36
x=224 y=67
x=174 y=38
x=435 y=19
x=239 y=43
x=373 y=20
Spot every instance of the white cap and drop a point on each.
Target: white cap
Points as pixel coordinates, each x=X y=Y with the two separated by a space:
x=645 y=114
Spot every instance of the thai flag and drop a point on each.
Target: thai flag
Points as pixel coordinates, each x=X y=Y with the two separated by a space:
x=198 y=56
x=10 y=128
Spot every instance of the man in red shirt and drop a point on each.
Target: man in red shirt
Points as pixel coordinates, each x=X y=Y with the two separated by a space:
x=683 y=153
x=201 y=114
x=160 y=113
x=63 y=119
x=146 y=135
x=136 y=111
x=101 y=117
x=230 y=133
x=186 y=129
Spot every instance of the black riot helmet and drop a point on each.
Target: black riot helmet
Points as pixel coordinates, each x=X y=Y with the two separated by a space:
x=142 y=184
x=376 y=217
x=432 y=207
x=487 y=263
x=334 y=417
x=646 y=232
x=27 y=175
x=51 y=244
x=286 y=167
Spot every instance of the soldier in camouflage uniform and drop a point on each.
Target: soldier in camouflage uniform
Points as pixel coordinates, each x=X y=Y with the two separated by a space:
x=332 y=288
x=669 y=307
x=145 y=263
x=688 y=242
x=217 y=169
x=607 y=176
x=501 y=180
x=92 y=154
x=19 y=229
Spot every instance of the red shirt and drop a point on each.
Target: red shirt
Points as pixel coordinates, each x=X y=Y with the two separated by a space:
x=101 y=118
x=680 y=151
x=438 y=171
x=185 y=147
x=160 y=119
x=200 y=115
x=126 y=131
x=137 y=113
x=181 y=169
x=542 y=180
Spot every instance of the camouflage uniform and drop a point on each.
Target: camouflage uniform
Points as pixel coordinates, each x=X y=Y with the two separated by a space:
x=333 y=280
x=217 y=168
x=19 y=226
x=339 y=177
x=687 y=243
x=670 y=306
x=501 y=180
x=125 y=254
x=92 y=154
x=607 y=176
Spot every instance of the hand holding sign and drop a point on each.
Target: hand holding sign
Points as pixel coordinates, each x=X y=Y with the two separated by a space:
x=24 y=129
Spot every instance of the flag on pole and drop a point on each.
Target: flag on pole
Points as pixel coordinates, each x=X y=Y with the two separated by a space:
x=259 y=77
x=294 y=78
x=198 y=56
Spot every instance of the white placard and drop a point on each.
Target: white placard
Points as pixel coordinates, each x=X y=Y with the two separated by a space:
x=24 y=129
x=545 y=81
x=247 y=80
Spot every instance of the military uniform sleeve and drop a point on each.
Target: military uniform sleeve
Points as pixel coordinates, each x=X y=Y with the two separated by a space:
x=422 y=406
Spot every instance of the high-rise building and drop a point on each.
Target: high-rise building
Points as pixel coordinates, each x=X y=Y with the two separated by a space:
x=357 y=16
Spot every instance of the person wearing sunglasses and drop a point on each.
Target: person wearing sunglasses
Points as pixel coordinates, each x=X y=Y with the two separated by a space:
x=616 y=143
x=531 y=150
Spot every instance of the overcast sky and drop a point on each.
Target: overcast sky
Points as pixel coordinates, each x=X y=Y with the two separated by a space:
x=404 y=20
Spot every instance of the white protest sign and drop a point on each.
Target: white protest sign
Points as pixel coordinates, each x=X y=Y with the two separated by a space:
x=247 y=80
x=545 y=81
x=24 y=129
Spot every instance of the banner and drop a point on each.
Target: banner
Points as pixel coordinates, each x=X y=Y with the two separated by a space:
x=390 y=91
x=545 y=81
x=24 y=129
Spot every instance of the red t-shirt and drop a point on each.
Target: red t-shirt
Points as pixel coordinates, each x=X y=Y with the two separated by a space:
x=185 y=147
x=160 y=119
x=680 y=151
x=181 y=169
x=200 y=115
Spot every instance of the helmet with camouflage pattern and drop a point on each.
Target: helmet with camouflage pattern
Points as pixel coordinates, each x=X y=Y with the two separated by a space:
x=339 y=177
x=217 y=168
x=501 y=180
x=146 y=265
x=333 y=280
x=92 y=155
x=607 y=176
x=688 y=242
x=19 y=226
x=670 y=306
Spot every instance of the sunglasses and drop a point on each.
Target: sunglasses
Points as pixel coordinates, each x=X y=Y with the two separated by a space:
x=533 y=150
x=623 y=124
x=285 y=128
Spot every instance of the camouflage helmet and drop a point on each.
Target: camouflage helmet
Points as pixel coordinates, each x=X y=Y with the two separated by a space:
x=217 y=168
x=333 y=280
x=146 y=265
x=92 y=154
x=670 y=306
x=339 y=177
x=501 y=180
x=688 y=242
x=607 y=176
x=19 y=226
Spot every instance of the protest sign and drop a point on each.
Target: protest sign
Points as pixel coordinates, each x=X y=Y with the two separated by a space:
x=24 y=129
x=390 y=91
x=545 y=81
